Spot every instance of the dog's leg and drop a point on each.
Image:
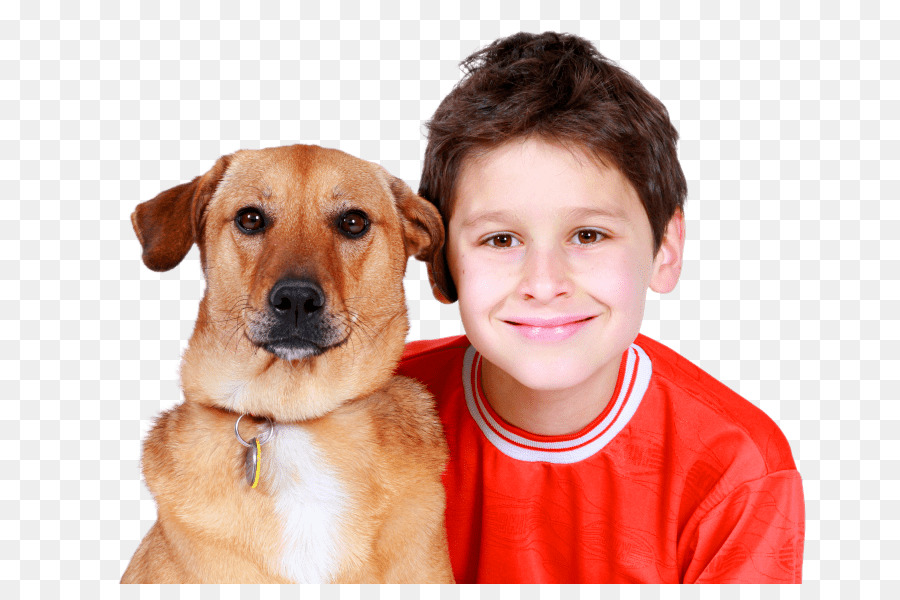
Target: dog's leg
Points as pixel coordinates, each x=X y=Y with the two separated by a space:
x=417 y=548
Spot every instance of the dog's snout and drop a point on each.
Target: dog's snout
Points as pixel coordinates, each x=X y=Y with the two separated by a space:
x=298 y=323
x=299 y=296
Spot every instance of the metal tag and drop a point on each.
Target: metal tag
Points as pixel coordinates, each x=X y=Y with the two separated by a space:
x=251 y=459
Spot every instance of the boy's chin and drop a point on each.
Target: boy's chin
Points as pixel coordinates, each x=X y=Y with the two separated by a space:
x=557 y=376
x=560 y=382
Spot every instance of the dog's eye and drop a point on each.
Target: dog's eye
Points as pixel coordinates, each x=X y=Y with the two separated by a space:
x=353 y=223
x=250 y=220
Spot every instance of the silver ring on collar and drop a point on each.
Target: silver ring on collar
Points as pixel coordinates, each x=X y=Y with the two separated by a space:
x=262 y=440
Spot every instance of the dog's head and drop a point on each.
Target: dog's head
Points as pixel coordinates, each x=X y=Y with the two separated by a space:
x=304 y=251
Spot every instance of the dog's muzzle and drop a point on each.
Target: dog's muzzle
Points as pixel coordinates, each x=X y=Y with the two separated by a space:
x=297 y=323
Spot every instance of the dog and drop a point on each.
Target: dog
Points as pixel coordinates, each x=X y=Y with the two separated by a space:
x=297 y=454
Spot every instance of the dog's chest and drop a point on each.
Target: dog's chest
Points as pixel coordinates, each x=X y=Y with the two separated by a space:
x=311 y=505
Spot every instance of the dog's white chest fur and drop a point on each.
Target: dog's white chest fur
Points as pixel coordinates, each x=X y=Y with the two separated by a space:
x=310 y=502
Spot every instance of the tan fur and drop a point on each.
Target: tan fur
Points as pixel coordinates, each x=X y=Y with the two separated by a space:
x=373 y=439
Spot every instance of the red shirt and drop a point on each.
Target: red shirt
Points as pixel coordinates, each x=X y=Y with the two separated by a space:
x=678 y=480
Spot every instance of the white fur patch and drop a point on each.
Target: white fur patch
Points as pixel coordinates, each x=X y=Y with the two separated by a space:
x=288 y=353
x=310 y=502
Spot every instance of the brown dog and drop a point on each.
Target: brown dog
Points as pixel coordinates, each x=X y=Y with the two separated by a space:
x=301 y=327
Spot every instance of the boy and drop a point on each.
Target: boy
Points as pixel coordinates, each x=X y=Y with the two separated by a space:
x=582 y=451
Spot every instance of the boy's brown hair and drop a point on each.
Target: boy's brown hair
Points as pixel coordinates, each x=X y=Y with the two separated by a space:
x=560 y=88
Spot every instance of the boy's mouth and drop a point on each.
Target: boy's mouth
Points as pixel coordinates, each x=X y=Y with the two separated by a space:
x=548 y=330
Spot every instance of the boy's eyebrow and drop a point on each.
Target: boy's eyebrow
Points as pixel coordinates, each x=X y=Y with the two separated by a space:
x=597 y=211
x=573 y=214
x=488 y=217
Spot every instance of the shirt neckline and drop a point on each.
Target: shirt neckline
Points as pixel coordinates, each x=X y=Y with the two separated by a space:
x=632 y=382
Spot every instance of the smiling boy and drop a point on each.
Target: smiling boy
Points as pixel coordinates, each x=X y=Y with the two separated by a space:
x=582 y=451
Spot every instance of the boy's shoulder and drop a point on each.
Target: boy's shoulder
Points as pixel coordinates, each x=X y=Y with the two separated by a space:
x=698 y=397
x=427 y=348
x=428 y=359
x=681 y=372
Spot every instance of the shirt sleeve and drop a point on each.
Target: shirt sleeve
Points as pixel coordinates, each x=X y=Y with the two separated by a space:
x=754 y=535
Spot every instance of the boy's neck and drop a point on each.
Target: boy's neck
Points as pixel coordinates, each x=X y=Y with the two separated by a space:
x=547 y=412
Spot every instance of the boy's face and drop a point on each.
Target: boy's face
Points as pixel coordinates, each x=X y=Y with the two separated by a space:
x=552 y=255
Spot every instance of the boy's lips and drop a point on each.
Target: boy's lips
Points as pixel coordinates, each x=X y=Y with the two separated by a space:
x=548 y=330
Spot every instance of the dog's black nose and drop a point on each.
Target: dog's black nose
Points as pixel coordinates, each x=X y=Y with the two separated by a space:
x=300 y=295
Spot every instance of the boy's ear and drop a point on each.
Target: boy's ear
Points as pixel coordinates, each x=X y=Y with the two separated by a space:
x=667 y=262
x=167 y=225
x=423 y=235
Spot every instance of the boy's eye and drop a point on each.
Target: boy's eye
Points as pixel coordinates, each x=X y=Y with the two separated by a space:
x=588 y=236
x=502 y=240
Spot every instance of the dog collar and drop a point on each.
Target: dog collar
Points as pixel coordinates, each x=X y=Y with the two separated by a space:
x=253 y=455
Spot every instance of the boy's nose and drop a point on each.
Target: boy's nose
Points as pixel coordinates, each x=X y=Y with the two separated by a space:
x=545 y=274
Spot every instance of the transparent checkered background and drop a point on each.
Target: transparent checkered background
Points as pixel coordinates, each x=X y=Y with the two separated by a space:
x=788 y=117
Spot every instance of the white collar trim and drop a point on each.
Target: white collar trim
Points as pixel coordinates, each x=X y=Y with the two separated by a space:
x=635 y=380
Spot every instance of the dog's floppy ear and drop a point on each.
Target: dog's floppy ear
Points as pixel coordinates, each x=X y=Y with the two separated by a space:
x=423 y=234
x=167 y=225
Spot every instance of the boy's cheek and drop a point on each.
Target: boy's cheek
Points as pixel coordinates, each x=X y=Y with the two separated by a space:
x=472 y=266
x=480 y=280
x=617 y=270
